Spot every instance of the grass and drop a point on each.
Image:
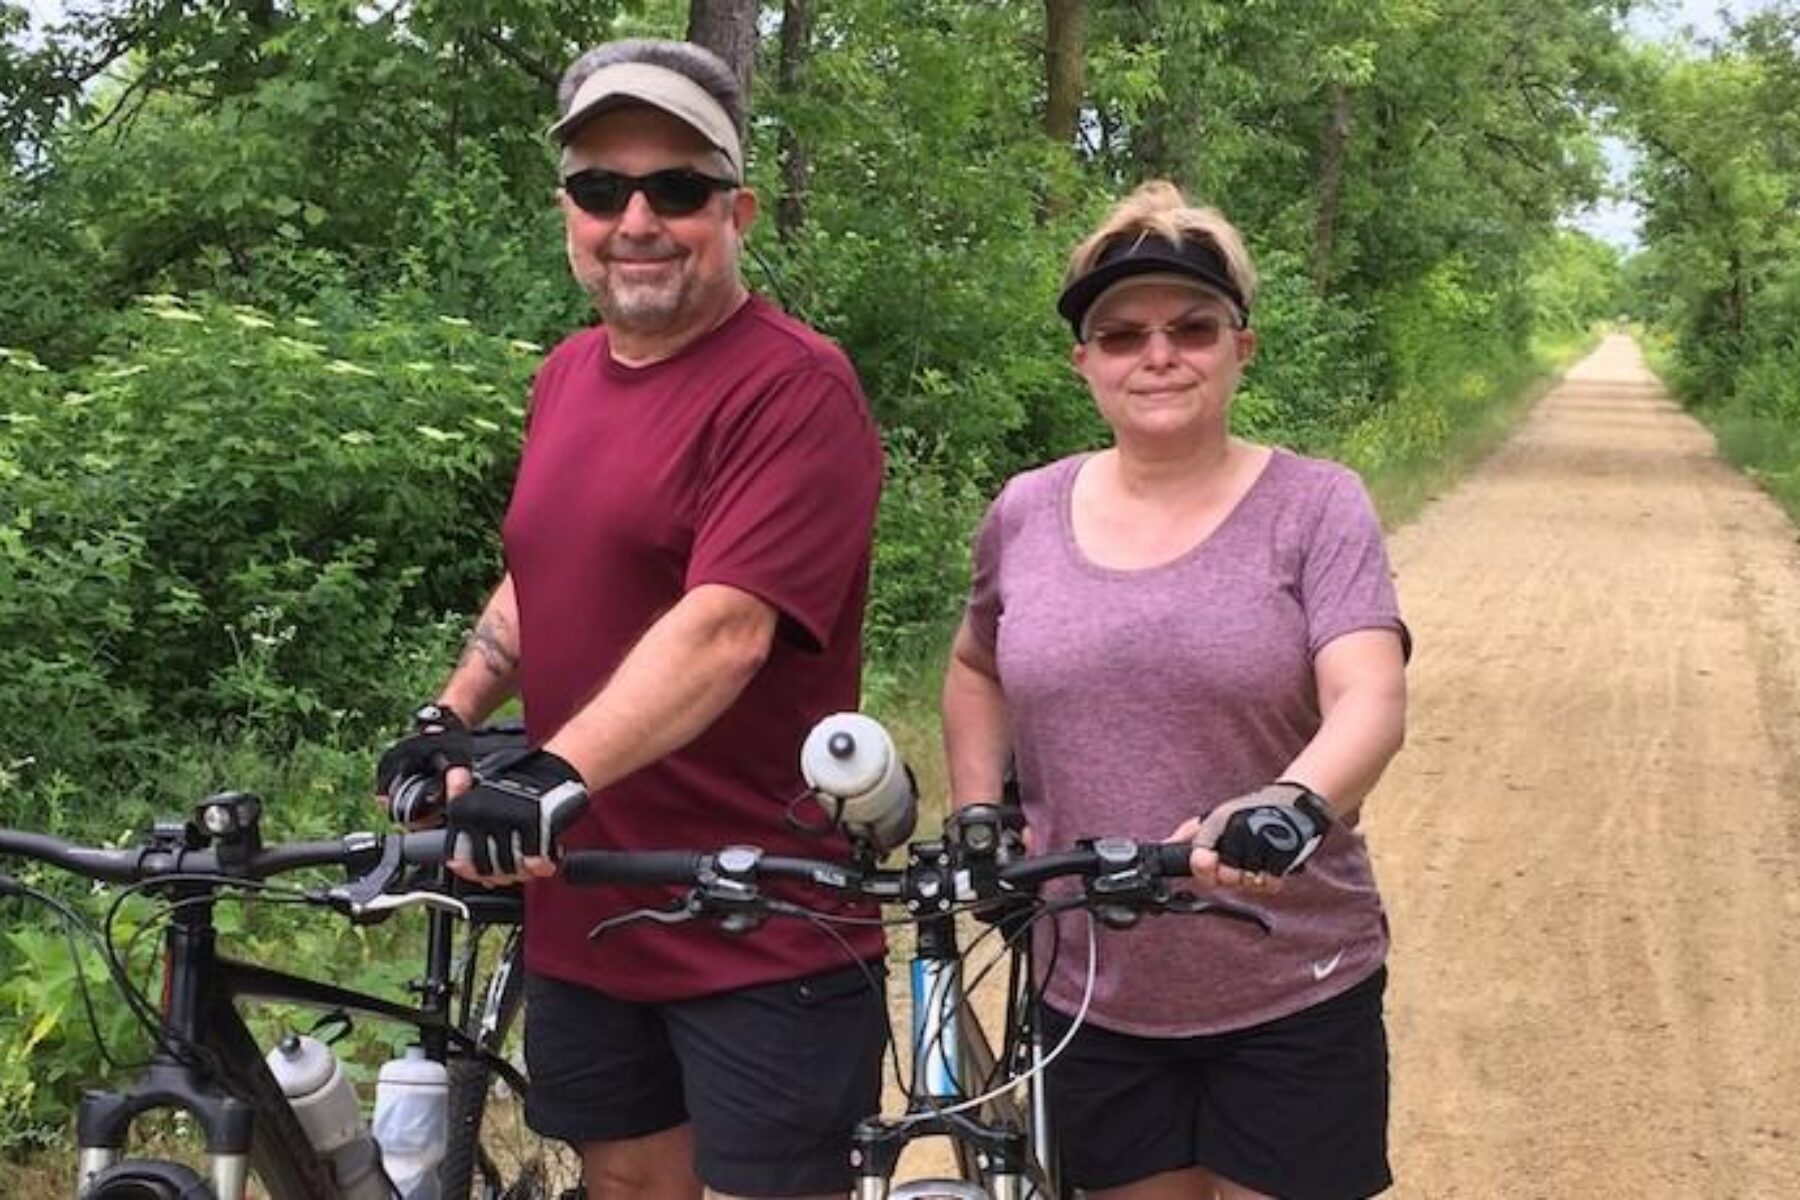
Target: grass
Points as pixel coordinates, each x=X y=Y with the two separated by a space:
x=1765 y=446
x=1767 y=450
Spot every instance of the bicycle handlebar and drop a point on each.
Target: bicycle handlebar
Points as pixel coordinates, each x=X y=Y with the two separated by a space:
x=696 y=868
x=137 y=864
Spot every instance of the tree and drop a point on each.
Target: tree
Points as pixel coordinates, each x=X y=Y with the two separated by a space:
x=728 y=29
x=1719 y=197
x=796 y=38
x=1065 y=50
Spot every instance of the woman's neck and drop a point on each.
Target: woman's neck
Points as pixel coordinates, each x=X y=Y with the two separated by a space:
x=1169 y=473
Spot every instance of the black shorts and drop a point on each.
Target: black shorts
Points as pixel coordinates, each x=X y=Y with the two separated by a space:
x=1296 y=1108
x=774 y=1078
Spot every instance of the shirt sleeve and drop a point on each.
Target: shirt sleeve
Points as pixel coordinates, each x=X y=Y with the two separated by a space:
x=1346 y=583
x=985 y=604
x=787 y=505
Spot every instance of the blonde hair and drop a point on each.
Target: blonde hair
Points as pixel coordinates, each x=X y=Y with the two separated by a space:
x=1159 y=209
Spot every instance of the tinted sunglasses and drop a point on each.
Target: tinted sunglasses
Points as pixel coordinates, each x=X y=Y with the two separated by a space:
x=673 y=193
x=1188 y=335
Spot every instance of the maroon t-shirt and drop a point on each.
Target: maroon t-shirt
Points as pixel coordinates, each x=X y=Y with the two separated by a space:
x=748 y=459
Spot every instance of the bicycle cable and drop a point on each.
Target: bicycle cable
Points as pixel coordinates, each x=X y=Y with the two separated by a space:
x=824 y=922
x=73 y=922
x=137 y=999
x=1036 y=1069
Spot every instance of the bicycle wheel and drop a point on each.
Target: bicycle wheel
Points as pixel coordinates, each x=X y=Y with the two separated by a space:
x=149 y=1179
x=493 y=1154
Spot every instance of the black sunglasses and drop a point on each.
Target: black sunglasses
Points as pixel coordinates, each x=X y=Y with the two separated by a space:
x=673 y=193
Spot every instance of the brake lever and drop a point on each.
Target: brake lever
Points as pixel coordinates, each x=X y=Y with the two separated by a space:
x=368 y=898
x=1188 y=904
x=394 y=902
x=680 y=912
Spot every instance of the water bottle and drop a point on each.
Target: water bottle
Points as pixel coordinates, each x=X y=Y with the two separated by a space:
x=853 y=765
x=324 y=1100
x=412 y=1116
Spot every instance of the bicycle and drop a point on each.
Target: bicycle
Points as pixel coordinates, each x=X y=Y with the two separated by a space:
x=958 y=1086
x=206 y=1061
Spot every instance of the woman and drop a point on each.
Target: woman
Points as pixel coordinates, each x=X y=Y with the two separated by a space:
x=1185 y=634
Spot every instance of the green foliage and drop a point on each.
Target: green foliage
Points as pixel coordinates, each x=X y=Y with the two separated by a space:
x=1312 y=377
x=1719 y=277
x=921 y=568
x=229 y=521
x=51 y=1055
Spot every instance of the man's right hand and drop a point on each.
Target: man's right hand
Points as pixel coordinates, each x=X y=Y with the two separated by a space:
x=506 y=826
x=439 y=746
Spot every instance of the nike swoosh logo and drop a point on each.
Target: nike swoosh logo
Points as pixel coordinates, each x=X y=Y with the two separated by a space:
x=1323 y=967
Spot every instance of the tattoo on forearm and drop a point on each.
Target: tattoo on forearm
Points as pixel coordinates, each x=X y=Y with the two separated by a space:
x=491 y=641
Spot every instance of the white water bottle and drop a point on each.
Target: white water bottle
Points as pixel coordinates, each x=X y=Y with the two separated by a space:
x=324 y=1100
x=412 y=1118
x=852 y=764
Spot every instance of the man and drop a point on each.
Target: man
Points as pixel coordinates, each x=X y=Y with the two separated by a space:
x=687 y=553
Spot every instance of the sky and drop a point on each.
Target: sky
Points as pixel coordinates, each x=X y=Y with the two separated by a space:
x=1616 y=221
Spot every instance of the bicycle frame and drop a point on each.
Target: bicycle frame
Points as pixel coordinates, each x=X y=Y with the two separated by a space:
x=1004 y=1150
x=200 y=996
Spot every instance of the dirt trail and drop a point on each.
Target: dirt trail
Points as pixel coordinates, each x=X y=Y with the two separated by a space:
x=1590 y=845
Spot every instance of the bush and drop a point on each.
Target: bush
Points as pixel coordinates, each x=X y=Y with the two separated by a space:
x=922 y=553
x=230 y=521
x=1312 y=377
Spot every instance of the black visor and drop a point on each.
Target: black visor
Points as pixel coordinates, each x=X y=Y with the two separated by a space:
x=1147 y=254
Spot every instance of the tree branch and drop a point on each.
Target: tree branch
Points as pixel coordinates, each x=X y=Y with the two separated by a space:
x=536 y=67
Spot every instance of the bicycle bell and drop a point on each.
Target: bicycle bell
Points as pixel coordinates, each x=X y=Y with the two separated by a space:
x=854 y=768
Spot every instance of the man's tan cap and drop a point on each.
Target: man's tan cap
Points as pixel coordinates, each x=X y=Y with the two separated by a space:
x=629 y=83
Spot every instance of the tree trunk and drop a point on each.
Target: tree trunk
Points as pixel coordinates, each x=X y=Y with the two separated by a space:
x=1065 y=52
x=1331 y=185
x=1737 y=302
x=796 y=174
x=728 y=29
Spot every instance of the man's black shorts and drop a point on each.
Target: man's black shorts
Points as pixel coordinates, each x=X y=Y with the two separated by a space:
x=774 y=1078
x=1296 y=1107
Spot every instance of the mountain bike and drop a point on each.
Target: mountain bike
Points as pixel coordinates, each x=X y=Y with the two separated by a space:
x=989 y=1103
x=205 y=1061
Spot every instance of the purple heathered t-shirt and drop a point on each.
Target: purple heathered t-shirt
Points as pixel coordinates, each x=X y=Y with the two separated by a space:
x=1140 y=698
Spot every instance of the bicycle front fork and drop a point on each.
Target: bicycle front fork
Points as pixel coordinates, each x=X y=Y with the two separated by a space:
x=876 y=1152
x=104 y=1121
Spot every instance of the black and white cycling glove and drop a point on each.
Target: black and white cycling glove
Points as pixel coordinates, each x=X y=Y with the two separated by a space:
x=1276 y=835
x=411 y=771
x=517 y=810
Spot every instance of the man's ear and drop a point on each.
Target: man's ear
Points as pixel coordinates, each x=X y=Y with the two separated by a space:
x=744 y=208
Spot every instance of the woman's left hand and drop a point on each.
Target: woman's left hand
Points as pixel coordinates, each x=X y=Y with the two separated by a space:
x=1282 y=825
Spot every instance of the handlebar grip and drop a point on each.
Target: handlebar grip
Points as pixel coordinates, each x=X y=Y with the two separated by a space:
x=1170 y=858
x=586 y=868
